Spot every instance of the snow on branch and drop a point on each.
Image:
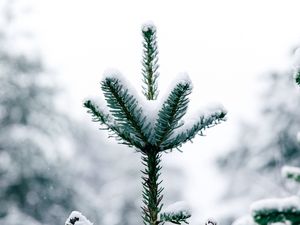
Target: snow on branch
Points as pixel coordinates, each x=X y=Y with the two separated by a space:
x=275 y=210
x=76 y=218
x=276 y=204
x=298 y=136
x=148 y=26
x=291 y=173
x=176 y=213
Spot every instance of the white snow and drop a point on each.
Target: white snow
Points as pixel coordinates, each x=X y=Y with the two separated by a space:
x=150 y=108
x=191 y=119
x=288 y=171
x=178 y=207
x=296 y=62
x=114 y=73
x=298 y=136
x=279 y=204
x=296 y=58
x=148 y=25
x=244 y=220
x=100 y=103
x=183 y=77
x=78 y=218
x=180 y=78
x=211 y=109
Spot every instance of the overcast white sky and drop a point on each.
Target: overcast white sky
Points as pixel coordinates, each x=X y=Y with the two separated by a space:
x=223 y=45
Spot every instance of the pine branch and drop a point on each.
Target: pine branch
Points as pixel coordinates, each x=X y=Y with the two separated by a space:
x=177 y=218
x=107 y=122
x=176 y=213
x=173 y=109
x=150 y=65
x=98 y=115
x=198 y=128
x=124 y=107
x=275 y=216
x=269 y=211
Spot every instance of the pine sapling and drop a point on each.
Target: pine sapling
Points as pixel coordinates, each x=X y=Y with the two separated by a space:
x=127 y=122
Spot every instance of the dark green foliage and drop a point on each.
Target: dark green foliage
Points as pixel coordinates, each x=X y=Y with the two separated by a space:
x=131 y=127
x=172 y=111
x=266 y=217
x=125 y=110
x=150 y=59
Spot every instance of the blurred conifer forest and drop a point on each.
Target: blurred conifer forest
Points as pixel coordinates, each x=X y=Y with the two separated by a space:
x=39 y=182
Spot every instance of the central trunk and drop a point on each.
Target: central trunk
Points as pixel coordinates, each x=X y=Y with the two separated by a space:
x=152 y=193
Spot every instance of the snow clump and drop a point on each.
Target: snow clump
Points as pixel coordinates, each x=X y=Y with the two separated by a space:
x=76 y=218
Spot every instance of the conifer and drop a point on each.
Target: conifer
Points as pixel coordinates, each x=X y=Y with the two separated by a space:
x=128 y=123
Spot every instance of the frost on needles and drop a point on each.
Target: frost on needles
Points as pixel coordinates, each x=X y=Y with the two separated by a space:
x=127 y=121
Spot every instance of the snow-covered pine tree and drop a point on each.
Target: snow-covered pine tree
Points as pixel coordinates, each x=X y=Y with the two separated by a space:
x=268 y=211
x=127 y=122
x=277 y=210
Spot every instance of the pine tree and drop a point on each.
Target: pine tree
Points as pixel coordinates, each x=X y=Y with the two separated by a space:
x=281 y=209
x=127 y=122
x=247 y=161
x=277 y=210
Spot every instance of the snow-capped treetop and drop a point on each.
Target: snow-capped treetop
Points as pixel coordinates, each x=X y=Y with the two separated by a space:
x=76 y=218
x=276 y=204
x=291 y=172
x=149 y=25
x=113 y=73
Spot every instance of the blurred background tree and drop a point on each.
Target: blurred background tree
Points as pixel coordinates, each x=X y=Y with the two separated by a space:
x=50 y=162
x=32 y=186
x=252 y=166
